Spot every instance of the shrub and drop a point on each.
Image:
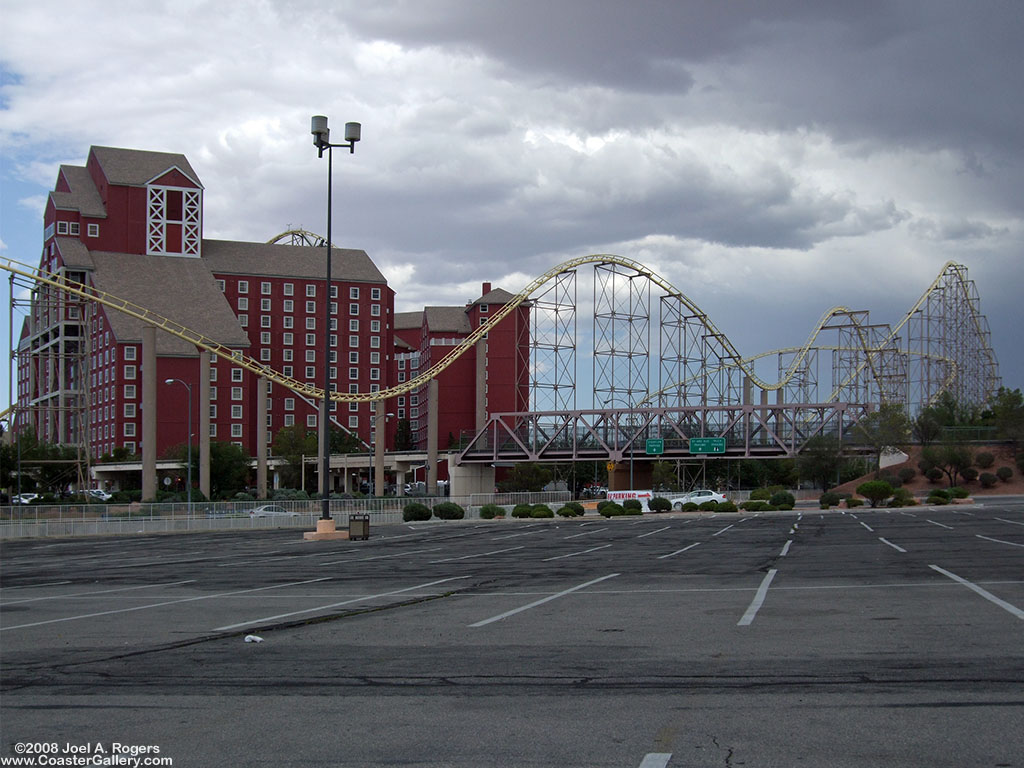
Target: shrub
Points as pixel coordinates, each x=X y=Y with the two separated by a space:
x=907 y=474
x=602 y=504
x=541 y=510
x=611 y=509
x=875 y=491
x=415 y=512
x=934 y=475
x=958 y=492
x=726 y=506
x=853 y=502
x=829 y=499
x=708 y=506
x=566 y=511
x=782 y=500
x=891 y=479
x=940 y=493
x=449 y=510
x=491 y=511
x=988 y=480
x=938 y=501
x=1004 y=474
x=760 y=494
x=689 y=506
x=901 y=497
x=576 y=507
x=631 y=504
x=754 y=505
x=969 y=474
x=984 y=459
x=659 y=504
x=1020 y=461
x=521 y=510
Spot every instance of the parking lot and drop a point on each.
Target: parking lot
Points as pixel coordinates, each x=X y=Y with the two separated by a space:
x=874 y=637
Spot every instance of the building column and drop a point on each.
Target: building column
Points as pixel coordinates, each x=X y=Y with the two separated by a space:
x=381 y=422
x=148 y=412
x=481 y=384
x=432 y=437
x=204 y=423
x=261 y=437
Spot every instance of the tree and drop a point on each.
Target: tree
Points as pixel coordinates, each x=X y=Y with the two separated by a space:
x=887 y=427
x=403 y=436
x=951 y=460
x=1007 y=408
x=926 y=427
x=875 y=491
x=820 y=460
x=663 y=475
x=229 y=469
x=340 y=441
x=291 y=444
x=526 y=476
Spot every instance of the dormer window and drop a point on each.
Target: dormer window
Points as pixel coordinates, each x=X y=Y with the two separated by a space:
x=173 y=221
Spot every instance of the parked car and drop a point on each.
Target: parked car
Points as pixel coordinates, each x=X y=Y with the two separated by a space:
x=272 y=510
x=697 y=497
x=99 y=493
x=24 y=498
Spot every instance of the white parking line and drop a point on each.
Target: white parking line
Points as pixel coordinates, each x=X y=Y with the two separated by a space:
x=585 y=533
x=785 y=549
x=573 y=554
x=335 y=605
x=1012 y=609
x=480 y=554
x=723 y=530
x=1000 y=541
x=673 y=554
x=651 y=533
x=382 y=557
x=514 y=535
x=941 y=525
x=758 y=601
x=547 y=599
x=158 y=605
x=656 y=760
x=894 y=546
x=1011 y=522
x=867 y=526
x=97 y=592
x=908 y=514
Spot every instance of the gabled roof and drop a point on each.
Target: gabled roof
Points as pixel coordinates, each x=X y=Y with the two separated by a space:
x=73 y=252
x=274 y=260
x=405 y=321
x=136 y=167
x=447 y=320
x=83 y=196
x=496 y=296
x=180 y=289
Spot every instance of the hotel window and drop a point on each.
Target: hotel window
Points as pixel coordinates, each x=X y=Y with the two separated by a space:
x=310 y=323
x=288 y=339
x=213 y=411
x=353 y=309
x=129 y=429
x=236 y=374
x=243 y=320
x=311 y=420
x=353 y=341
x=93 y=230
x=213 y=430
x=243 y=303
x=129 y=391
x=353 y=422
x=310 y=307
x=236 y=393
x=289 y=321
x=129 y=353
x=310 y=339
x=310 y=372
x=353 y=357
x=288 y=355
x=236 y=430
x=375 y=310
x=310 y=355
x=353 y=326
x=236 y=411
x=353 y=407
x=129 y=410
x=353 y=373
x=401 y=413
x=289 y=305
x=213 y=393
x=289 y=290
x=483 y=309
x=332 y=340
x=375 y=358
x=213 y=373
x=375 y=342
x=401 y=401
x=62 y=227
x=375 y=326
x=310 y=290
x=221 y=285
x=243 y=286
x=286 y=370
x=265 y=337
x=332 y=356
x=265 y=289
x=374 y=374
x=264 y=355
x=401 y=376
x=289 y=403
x=353 y=292
x=264 y=305
x=129 y=372
x=375 y=294
x=130 y=446
x=289 y=419
x=332 y=373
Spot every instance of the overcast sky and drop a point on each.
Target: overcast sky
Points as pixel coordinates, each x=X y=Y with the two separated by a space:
x=771 y=159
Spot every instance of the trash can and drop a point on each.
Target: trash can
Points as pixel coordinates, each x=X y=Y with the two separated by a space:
x=358 y=527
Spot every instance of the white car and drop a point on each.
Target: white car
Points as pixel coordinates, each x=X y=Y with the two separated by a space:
x=99 y=493
x=24 y=498
x=697 y=497
x=271 y=510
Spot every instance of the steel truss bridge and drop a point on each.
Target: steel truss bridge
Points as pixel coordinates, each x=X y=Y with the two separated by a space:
x=663 y=366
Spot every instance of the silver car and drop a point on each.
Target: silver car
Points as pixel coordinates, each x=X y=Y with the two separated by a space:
x=272 y=510
x=697 y=497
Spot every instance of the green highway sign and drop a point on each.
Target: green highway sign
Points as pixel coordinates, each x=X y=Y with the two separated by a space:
x=707 y=445
x=655 y=446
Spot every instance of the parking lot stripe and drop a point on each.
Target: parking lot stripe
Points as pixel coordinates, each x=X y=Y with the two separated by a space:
x=573 y=554
x=941 y=525
x=161 y=604
x=381 y=557
x=785 y=549
x=1011 y=522
x=894 y=546
x=514 y=535
x=1000 y=541
x=1012 y=609
x=656 y=760
x=470 y=557
x=651 y=533
x=335 y=605
x=547 y=599
x=97 y=592
x=678 y=551
x=723 y=530
x=867 y=526
x=586 y=533
x=758 y=601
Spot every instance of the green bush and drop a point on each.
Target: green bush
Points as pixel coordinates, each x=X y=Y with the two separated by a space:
x=940 y=493
x=689 y=506
x=891 y=479
x=726 y=506
x=829 y=499
x=1004 y=474
x=611 y=509
x=576 y=507
x=415 y=512
x=958 y=492
x=602 y=504
x=541 y=510
x=782 y=500
x=969 y=474
x=934 y=475
x=988 y=480
x=760 y=494
x=875 y=491
x=937 y=501
x=853 y=502
x=984 y=459
x=708 y=506
x=522 y=510
x=906 y=474
x=449 y=510
x=566 y=511
x=491 y=511
x=631 y=504
x=754 y=505
x=901 y=497
x=659 y=504
x=632 y=510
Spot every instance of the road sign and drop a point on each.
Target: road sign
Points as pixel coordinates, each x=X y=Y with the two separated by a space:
x=655 y=446
x=707 y=445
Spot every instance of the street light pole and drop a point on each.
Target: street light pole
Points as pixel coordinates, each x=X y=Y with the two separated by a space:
x=188 y=442
x=322 y=140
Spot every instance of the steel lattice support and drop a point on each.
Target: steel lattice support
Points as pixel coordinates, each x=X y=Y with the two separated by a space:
x=622 y=334
x=552 y=345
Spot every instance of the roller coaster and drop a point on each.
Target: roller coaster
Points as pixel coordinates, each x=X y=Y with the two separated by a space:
x=942 y=344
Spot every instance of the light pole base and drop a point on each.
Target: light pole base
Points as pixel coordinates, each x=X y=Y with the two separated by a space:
x=325 y=531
